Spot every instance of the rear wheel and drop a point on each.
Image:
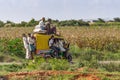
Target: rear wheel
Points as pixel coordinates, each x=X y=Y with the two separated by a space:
x=54 y=54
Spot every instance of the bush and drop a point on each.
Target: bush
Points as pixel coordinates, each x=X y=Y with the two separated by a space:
x=1 y=23
x=12 y=47
x=73 y=23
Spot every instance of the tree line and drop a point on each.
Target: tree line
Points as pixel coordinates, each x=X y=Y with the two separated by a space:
x=72 y=22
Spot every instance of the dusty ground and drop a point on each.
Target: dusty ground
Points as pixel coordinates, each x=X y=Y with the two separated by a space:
x=79 y=74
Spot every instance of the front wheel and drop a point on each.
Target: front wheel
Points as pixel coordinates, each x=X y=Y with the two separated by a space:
x=69 y=57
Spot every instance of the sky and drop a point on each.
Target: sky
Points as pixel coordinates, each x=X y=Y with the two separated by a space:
x=25 y=10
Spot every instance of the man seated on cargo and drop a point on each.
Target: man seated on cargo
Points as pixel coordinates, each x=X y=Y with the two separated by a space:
x=50 y=28
x=41 y=26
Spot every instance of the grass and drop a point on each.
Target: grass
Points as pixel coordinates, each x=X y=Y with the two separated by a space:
x=9 y=58
x=100 y=38
x=88 y=46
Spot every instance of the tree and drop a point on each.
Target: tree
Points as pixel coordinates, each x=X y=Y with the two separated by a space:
x=1 y=23
x=101 y=20
x=32 y=22
x=117 y=19
x=10 y=23
x=23 y=24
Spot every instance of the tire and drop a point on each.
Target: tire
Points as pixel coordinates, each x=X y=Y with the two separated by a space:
x=69 y=57
x=54 y=54
x=3 y=78
x=47 y=56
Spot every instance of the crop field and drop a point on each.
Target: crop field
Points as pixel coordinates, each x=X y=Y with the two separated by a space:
x=88 y=46
x=14 y=32
x=98 y=38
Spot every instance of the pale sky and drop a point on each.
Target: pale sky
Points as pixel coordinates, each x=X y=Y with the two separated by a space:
x=25 y=10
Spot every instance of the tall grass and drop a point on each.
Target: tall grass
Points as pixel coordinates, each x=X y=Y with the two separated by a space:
x=14 y=32
x=99 y=38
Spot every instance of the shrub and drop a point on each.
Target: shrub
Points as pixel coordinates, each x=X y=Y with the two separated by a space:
x=12 y=47
x=15 y=47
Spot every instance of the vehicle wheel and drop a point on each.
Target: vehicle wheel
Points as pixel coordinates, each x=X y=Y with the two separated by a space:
x=3 y=78
x=69 y=57
x=54 y=54
x=47 y=56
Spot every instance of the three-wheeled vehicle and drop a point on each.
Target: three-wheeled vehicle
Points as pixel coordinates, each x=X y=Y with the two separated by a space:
x=42 y=46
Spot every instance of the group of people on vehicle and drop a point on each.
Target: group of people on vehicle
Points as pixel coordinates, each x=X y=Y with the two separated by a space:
x=55 y=44
x=45 y=27
x=29 y=45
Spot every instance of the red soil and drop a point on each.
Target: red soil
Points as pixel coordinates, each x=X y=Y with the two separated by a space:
x=78 y=76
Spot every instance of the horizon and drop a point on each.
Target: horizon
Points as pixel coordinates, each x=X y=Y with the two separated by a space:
x=25 y=10
x=107 y=19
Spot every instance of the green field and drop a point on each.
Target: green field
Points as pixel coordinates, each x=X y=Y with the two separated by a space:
x=89 y=46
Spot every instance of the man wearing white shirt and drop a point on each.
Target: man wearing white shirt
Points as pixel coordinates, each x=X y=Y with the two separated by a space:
x=26 y=46
x=42 y=24
x=31 y=42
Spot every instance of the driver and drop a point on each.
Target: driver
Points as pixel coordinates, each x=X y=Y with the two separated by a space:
x=51 y=45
